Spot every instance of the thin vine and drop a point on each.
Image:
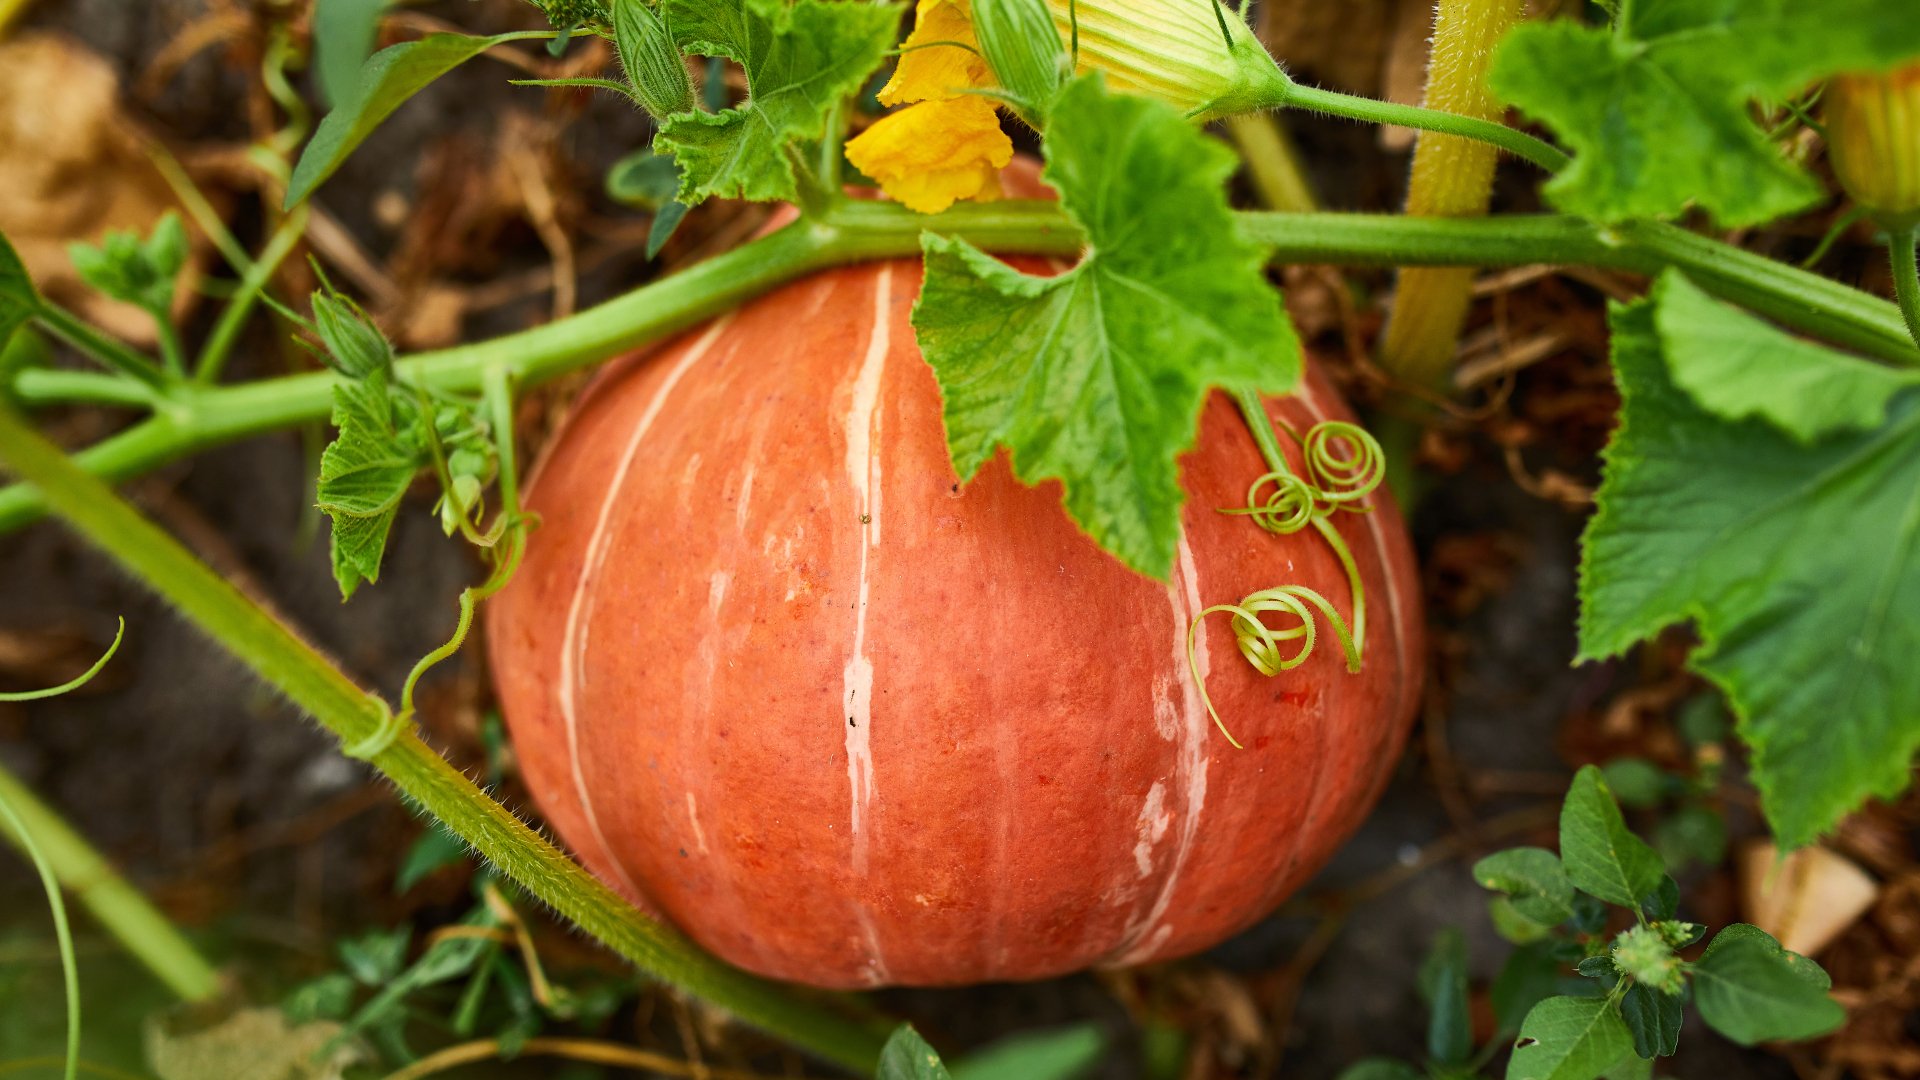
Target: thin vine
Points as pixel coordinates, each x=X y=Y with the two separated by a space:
x=62 y=933
x=1334 y=480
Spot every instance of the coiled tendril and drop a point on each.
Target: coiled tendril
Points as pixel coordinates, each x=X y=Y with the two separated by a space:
x=1261 y=644
x=1344 y=465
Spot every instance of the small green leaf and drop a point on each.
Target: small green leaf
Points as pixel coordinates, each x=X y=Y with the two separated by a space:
x=1793 y=561
x=1637 y=781
x=1096 y=376
x=1569 y=1038
x=436 y=849
x=375 y=958
x=1752 y=990
x=643 y=179
x=139 y=272
x=1060 y=1054
x=1654 y=1019
x=908 y=1057
x=1443 y=984
x=1660 y=114
x=363 y=473
x=1530 y=975
x=343 y=36
x=386 y=81
x=1535 y=880
x=800 y=61
x=1603 y=858
x=1691 y=834
x=329 y=997
x=18 y=300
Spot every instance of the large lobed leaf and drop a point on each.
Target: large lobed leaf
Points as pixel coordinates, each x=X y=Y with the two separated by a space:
x=800 y=61
x=1096 y=377
x=1785 y=526
x=1657 y=110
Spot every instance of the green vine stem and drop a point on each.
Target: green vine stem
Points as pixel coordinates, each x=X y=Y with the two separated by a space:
x=1906 y=275
x=17 y=830
x=1369 y=110
x=77 y=681
x=277 y=655
x=197 y=417
x=114 y=903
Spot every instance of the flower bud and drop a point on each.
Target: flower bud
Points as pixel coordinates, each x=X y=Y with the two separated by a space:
x=653 y=62
x=1194 y=54
x=1024 y=49
x=1873 y=134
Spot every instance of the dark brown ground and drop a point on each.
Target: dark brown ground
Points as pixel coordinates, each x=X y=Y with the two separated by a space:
x=246 y=825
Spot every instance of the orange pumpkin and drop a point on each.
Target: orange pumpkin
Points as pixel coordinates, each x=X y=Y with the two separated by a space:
x=773 y=672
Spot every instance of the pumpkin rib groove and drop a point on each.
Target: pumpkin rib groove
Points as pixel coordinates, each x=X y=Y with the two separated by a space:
x=580 y=607
x=1190 y=761
x=866 y=475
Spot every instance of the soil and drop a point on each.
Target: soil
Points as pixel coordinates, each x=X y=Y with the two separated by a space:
x=246 y=825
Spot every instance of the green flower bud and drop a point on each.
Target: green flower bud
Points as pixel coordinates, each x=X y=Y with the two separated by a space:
x=1024 y=49
x=653 y=62
x=1873 y=133
x=354 y=345
x=1643 y=953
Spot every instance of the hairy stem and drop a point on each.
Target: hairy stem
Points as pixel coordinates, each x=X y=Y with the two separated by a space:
x=1512 y=140
x=116 y=905
x=69 y=328
x=1452 y=177
x=280 y=657
x=253 y=281
x=198 y=417
x=1906 y=276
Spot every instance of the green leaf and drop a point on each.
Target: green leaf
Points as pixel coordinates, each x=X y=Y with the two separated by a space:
x=1691 y=834
x=800 y=61
x=1443 y=985
x=1751 y=990
x=1654 y=1020
x=343 y=36
x=1569 y=1038
x=1061 y=1054
x=375 y=958
x=436 y=849
x=1603 y=858
x=1637 y=781
x=1795 y=562
x=1736 y=366
x=1535 y=880
x=908 y=1057
x=1096 y=377
x=18 y=300
x=363 y=473
x=1531 y=975
x=139 y=272
x=386 y=81
x=1659 y=115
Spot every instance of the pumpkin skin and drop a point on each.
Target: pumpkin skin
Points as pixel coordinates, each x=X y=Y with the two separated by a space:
x=772 y=672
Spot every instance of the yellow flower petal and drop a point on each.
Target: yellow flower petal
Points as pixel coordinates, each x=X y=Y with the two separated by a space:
x=934 y=65
x=930 y=154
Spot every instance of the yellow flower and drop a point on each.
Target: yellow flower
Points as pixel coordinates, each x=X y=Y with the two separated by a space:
x=941 y=57
x=1873 y=133
x=947 y=143
x=936 y=151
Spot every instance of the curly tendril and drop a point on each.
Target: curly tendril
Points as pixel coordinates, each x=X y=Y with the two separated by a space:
x=1343 y=466
x=1261 y=644
x=1344 y=477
